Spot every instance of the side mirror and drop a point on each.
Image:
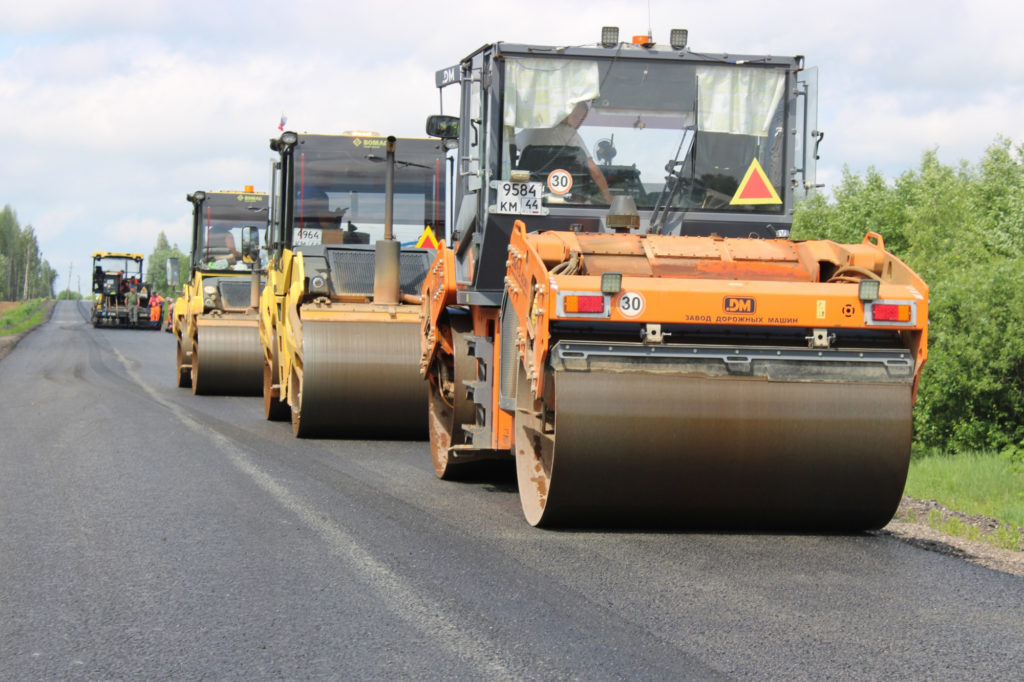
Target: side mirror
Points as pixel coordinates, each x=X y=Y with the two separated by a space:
x=250 y=242
x=445 y=127
x=172 y=272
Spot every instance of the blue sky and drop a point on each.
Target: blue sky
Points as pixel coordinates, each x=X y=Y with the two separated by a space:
x=112 y=110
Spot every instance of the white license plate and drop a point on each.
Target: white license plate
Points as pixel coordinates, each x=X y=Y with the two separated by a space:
x=519 y=198
x=305 y=236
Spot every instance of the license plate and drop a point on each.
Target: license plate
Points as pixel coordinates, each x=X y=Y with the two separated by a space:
x=519 y=198
x=305 y=236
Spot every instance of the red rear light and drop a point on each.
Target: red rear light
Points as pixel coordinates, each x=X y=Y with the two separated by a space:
x=890 y=312
x=584 y=304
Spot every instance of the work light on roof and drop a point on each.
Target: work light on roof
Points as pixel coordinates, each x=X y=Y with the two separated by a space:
x=609 y=36
x=677 y=38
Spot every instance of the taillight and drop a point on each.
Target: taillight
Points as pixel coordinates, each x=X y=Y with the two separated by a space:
x=890 y=312
x=899 y=313
x=584 y=304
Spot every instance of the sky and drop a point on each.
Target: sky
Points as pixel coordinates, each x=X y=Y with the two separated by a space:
x=111 y=111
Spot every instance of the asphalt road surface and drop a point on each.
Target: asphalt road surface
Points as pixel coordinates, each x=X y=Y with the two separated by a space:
x=146 y=533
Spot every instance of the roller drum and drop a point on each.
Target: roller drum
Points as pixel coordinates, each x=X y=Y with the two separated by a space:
x=635 y=448
x=228 y=360
x=362 y=379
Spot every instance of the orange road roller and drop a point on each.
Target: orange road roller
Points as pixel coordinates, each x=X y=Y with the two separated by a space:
x=620 y=308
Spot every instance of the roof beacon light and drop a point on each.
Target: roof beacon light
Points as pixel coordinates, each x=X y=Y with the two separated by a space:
x=609 y=36
x=677 y=38
x=644 y=41
x=248 y=189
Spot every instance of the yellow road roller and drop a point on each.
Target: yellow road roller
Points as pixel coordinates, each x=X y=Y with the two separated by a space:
x=353 y=219
x=216 y=320
x=622 y=311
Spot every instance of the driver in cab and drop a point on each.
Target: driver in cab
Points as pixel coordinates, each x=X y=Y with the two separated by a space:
x=565 y=134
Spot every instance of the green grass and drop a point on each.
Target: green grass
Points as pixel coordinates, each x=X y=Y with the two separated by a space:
x=23 y=317
x=972 y=483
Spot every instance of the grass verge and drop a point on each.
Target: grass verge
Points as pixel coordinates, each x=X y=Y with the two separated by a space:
x=974 y=483
x=23 y=317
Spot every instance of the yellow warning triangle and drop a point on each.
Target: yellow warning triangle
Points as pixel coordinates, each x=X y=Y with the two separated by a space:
x=427 y=239
x=755 y=188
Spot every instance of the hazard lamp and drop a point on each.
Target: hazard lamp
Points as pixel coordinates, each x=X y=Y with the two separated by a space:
x=900 y=313
x=583 y=304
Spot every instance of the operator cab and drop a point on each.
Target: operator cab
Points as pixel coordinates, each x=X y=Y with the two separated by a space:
x=704 y=144
x=221 y=221
x=330 y=205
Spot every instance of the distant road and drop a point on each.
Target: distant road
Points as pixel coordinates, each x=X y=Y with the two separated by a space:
x=146 y=533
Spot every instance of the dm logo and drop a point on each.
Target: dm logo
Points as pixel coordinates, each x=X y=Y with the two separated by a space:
x=738 y=305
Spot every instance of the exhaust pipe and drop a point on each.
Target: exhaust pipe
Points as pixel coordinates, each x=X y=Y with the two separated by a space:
x=254 y=286
x=386 y=271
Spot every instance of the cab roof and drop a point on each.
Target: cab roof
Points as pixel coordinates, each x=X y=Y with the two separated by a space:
x=117 y=254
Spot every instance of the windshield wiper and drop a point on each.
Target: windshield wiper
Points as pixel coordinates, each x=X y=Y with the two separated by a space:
x=673 y=185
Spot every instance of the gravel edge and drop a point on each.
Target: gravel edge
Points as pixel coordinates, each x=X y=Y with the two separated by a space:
x=914 y=529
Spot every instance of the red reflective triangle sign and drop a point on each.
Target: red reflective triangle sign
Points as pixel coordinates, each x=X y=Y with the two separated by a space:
x=755 y=188
x=427 y=240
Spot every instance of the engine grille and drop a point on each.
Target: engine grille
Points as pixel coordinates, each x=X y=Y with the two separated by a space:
x=235 y=292
x=352 y=270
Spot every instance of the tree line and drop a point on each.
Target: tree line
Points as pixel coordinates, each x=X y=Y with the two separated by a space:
x=24 y=274
x=961 y=228
x=156 y=265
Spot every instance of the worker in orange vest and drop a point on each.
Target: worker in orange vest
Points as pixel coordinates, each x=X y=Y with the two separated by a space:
x=156 y=308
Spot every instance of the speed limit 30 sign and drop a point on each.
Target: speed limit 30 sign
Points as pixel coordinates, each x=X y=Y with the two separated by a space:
x=559 y=181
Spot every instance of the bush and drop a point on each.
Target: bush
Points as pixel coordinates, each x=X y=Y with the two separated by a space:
x=962 y=230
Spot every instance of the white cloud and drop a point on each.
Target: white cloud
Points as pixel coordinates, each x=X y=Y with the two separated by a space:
x=115 y=109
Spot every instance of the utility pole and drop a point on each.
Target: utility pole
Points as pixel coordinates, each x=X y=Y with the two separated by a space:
x=24 y=295
x=69 y=280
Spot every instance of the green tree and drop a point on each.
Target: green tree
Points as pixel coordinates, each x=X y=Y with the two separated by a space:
x=962 y=230
x=157 y=264
x=860 y=205
x=25 y=274
x=972 y=389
